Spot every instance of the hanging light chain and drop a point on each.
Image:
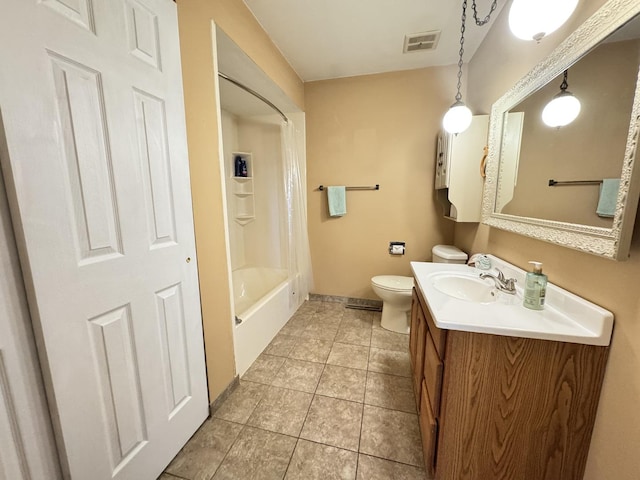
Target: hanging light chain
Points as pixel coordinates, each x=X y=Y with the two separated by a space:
x=479 y=23
x=564 y=85
x=459 y=117
x=486 y=19
x=462 y=30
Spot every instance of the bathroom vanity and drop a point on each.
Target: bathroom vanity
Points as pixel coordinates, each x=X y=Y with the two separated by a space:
x=503 y=392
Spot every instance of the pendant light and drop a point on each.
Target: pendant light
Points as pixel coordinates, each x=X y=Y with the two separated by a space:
x=535 y=19
x=458 y=117
x=563 y=109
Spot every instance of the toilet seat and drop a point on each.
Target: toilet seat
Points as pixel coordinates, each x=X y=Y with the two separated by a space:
x=393 y=283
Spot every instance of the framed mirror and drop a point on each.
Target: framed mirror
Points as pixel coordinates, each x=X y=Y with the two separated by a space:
x=576 y=185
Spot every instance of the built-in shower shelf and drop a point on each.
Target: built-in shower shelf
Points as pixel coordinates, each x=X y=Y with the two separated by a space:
x=244 y=219
x=242 y=188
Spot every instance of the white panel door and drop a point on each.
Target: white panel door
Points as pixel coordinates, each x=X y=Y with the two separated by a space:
x=28 y=451
x=92 y=108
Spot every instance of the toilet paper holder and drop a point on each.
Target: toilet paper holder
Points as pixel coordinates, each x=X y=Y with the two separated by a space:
x=396 y=248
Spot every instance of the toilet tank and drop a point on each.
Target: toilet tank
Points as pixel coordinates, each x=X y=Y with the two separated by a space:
x=448 y=254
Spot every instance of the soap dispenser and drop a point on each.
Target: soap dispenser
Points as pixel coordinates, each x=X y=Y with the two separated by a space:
x=535 y=288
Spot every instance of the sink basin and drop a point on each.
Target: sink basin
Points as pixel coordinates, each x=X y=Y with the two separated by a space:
x=464 y=287
x=459 y=300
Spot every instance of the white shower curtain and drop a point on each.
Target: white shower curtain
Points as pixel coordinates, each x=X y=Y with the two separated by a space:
x=299 y=262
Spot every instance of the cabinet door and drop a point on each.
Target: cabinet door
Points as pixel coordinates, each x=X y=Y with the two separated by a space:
x=413 y=331
x=438 y=335
x=429 y=430
x=419 y=357
x=432 y=374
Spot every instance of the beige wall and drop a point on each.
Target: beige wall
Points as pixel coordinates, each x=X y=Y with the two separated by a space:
x=195 y=21
x=499 y=63
x=367 y=130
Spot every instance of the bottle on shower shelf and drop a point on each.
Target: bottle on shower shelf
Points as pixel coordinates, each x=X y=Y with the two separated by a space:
x=237 y=166
x=243 y=168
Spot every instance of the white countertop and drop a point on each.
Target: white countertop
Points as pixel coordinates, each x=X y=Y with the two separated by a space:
x=565 y=318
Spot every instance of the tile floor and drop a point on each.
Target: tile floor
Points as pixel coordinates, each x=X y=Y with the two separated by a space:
x=329 y=398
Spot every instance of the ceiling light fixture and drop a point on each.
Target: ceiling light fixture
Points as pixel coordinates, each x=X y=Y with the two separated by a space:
x=563 y=109
x=458 y=117
x=535 y=19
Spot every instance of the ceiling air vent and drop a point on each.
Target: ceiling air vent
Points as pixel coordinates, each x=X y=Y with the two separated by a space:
x=417 y=42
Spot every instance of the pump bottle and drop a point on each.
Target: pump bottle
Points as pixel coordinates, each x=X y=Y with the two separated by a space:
x=535 y=288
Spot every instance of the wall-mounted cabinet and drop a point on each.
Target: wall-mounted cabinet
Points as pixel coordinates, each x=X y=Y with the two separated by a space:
x=244 y=207
x=458 y=179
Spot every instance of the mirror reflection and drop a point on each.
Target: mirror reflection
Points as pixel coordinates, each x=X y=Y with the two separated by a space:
x=571 y=173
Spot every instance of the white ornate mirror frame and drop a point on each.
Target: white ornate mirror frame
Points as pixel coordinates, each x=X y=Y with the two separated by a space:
x=607 y=242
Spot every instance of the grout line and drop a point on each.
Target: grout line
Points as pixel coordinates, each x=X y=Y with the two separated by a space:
x=324 y=366
x=232 y=421
x=366 y=379
x=328 y=445
x=226 y=454
x=255 y=427
x=311 y=402
x=390 y=374
x=291 y=457
x=394 y=461
x=392 y=409
x=173 y=475
x=338 y=398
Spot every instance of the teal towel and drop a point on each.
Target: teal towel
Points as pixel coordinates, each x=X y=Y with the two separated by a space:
x=608 y=197
x=337 y=197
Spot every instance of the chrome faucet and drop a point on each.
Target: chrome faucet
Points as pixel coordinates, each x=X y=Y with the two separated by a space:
x=503 y=284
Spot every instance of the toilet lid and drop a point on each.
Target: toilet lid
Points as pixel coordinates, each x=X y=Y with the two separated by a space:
x=449 y=252
x=395 y=283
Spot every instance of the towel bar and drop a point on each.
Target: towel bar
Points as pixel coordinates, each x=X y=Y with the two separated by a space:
x=371 y=187
x=553 y=183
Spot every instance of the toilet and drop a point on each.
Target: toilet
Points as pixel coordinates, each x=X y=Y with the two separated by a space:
x=395 y=290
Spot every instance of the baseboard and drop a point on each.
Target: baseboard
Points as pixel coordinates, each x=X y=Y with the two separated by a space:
x=315 y=297
x=348 y=301
x=217 y=403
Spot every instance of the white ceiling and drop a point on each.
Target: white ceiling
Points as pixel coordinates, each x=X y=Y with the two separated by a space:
x=324 y=39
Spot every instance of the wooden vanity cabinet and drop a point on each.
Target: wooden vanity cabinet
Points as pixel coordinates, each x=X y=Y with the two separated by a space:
x=503 y=408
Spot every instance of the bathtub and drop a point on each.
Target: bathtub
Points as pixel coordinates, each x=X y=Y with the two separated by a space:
x=264 y=301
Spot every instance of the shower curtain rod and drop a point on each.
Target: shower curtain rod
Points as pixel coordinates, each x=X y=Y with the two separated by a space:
x=254 y=93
